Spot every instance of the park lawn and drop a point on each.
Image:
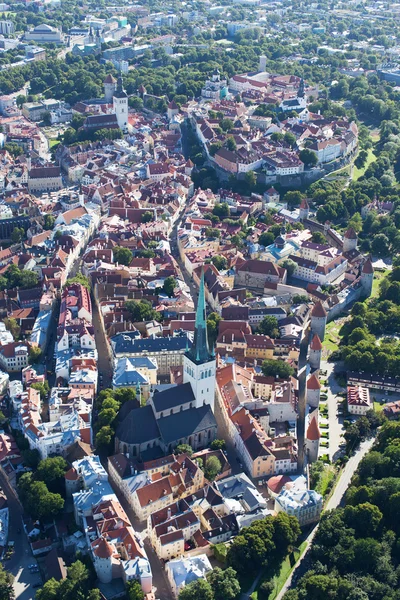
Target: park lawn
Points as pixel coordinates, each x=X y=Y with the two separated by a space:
x=53 y=142
x=286 y=568
x=378 y=276
x=357 y=173
x=378 y=407
x=332 y=336
x=326 y=477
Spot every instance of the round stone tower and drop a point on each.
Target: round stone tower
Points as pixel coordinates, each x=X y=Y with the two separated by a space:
x=312 y=437
x=367 y=277
x=315 y=352
x=318 y=320
x=350 y=240
x=313 y=391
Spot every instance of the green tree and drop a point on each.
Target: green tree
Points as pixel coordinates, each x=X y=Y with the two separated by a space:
x=31 y=458
x=43 y=388
x=289 y=265
x=226 y=124
x=230 y=143
x=220 y=552
x=122 y=256
x=299 y=299
x=364 y=519
x=269 y=326
x=212 y=328
x=265 y=590
x=197 y=590
x=49 y=591
x=35 y=355
x=104 y=438
x=224 y=584
x=184 y=449
x=308 y=157
x=13 y=149
x=290 y=139
x=6 y=585
x=147 y=217
x=218 y=445
x=221 y=210
x=79 y=278
x=169 y=286
x=212 y=232
x=17 y=235
x=212 y=468
x=380 y=245
x=134 y=590
x=52 y=471
x=46 y=118
x=49 y=221
x=13 y=327
x=36 y=498
x=141 y=311
x=219 y=262
x=266 y=238
x=251 y=180
x=277 y=368
x=318 y=238
x=293 y=198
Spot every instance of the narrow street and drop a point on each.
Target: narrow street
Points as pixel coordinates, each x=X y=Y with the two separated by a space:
x=22 y=557
x=104 y=365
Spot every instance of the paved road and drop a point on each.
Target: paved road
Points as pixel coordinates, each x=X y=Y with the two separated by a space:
x=104 y=365
x=335 y=500
x=335 y=421
x=22 y=557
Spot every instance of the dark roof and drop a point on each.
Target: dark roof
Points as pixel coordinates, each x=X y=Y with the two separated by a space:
x=174 y=396
x=55 y=566
x=139 y=426
x=44 y=172
x=124 y=342
x=185 y=423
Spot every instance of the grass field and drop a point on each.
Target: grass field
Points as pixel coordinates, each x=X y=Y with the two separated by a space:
x=53 y=143
x=357 y=173
x=327 y=475
x=286 y=568
x=378 y=276
x=378 y=407
x=332 y=337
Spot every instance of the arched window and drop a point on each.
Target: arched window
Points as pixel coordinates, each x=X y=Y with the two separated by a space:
x=202 y=376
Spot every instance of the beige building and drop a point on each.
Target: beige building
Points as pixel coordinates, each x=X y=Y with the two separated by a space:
x=169 y=529
x=358 y=400
x=44 y=34
x=44 y=179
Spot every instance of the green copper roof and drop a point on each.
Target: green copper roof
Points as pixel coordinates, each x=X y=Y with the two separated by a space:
x=199 y=351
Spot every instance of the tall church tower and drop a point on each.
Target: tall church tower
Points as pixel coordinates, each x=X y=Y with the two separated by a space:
x=120 y=103
x=199 y=365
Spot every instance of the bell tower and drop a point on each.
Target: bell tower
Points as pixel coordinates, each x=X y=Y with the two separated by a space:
x=120 y=104
x=199 y=364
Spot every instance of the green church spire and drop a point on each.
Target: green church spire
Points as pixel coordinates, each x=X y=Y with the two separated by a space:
x=200 y=351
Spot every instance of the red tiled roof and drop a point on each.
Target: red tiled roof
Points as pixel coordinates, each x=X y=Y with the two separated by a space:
x=316 y=343
x=313 y=383
x=318 y=310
